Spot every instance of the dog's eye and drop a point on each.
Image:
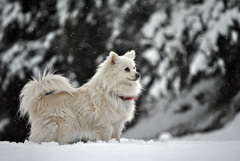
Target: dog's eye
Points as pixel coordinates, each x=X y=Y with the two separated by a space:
x=127 y=69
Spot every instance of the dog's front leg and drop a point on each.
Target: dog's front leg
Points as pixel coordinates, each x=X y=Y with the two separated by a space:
x=117 y=136
x=106 y=132
x=118 y=132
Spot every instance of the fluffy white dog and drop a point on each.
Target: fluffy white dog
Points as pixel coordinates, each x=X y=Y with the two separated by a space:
x=98 y=110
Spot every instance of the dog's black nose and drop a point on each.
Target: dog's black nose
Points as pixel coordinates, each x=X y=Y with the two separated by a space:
x=137 y=75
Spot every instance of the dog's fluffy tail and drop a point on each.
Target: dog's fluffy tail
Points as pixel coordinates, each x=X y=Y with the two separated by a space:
x=36 y=89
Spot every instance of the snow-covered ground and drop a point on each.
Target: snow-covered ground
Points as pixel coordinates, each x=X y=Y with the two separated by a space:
x=126 y=150
x=221 y=145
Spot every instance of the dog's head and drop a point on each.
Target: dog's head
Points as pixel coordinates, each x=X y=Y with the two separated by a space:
x=124 y=67
x=118 y=75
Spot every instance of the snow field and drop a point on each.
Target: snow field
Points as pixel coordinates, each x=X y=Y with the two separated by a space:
x=126 y=150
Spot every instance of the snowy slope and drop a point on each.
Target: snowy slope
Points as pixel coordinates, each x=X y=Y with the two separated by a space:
x=231 y=132
x=126 y=150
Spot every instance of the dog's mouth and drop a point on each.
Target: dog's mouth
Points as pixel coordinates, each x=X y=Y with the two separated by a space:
x=133 y=79
x=126 y=98
x=137 y=76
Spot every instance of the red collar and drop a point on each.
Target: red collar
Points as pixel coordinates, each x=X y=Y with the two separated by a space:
x=126 y=98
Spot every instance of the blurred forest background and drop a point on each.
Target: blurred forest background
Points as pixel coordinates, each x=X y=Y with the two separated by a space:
x=187 y=53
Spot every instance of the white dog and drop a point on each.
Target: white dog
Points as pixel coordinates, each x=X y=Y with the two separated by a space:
x=98 y=110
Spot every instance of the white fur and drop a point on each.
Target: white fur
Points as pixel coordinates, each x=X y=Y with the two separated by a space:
x=94 y=111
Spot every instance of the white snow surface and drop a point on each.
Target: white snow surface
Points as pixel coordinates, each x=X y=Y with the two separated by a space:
x=126 y=150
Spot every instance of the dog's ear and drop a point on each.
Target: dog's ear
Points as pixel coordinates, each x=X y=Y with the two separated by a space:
x=113 y=57
x=131 y=54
